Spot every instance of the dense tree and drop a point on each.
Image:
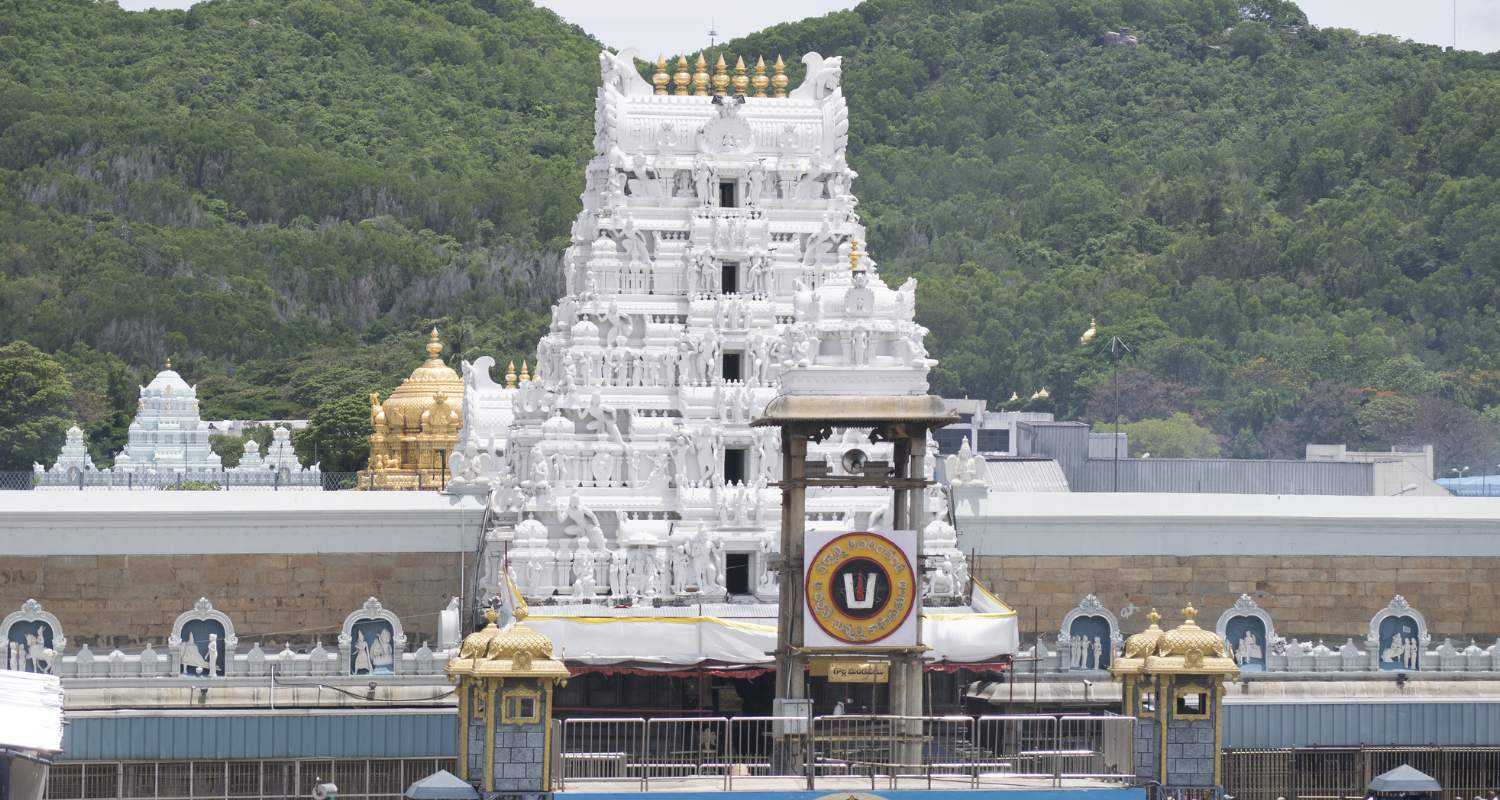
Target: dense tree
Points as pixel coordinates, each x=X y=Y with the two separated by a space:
x=34 y=417
x=1177 y=436
x=337 y=436
x=1287 y=223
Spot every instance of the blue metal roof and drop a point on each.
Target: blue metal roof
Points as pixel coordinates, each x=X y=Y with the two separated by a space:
x=231 y=735
x=1419 y=723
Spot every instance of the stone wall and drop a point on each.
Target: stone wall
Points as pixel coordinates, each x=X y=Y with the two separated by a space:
x=1309 y=597
x=123 y=601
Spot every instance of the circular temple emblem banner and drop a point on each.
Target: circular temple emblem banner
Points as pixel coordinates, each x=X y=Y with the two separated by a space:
x=860 y=589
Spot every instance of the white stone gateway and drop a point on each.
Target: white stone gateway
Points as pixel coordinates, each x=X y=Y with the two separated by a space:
x=715 y=264
x=279 y=466
x=73 y=464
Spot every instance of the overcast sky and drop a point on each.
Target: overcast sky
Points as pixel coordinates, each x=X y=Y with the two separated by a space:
x=658 y=26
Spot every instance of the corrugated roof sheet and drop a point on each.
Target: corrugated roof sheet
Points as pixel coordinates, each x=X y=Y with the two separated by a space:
x=111 y=736
x=1225 y=476
x=1449 y=724
x=1024 y=475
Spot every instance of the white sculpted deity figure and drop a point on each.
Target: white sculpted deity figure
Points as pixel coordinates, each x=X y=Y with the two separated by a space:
x=363 y=665
x=680 y=569
x=581 y=522
x=618 y=573
x=964 y=467
x=755 y=184
x=193 y=662
x=603 y=420
x=758 y=279
x=767 y=583
x=1248 y=650
x=703 y=552
x=860 y=346
x=585 y=584
x=705 y=181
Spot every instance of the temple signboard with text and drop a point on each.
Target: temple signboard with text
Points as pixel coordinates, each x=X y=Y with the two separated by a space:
x=861 y=590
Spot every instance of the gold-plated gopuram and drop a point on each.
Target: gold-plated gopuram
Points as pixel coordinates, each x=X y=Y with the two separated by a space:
x=416 y=427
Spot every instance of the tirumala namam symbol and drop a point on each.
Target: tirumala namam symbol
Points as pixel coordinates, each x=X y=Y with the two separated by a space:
x=858 y=595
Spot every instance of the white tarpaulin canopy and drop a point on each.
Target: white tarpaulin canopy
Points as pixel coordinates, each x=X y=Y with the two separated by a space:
x=745 y=636
x=31 y=712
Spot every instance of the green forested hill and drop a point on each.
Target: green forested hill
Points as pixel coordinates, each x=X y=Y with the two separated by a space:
x=1295 y=229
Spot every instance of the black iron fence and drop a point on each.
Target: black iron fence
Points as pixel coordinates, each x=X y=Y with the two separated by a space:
x=196 y=481
x=1343 y=773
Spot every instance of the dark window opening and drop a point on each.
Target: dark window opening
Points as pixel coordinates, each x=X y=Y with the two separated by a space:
x=995 y=440
x=734 y=465
x=726 y=194
x=731 y=370
x=737 y=573
x=1191 y=704
x=729 y=277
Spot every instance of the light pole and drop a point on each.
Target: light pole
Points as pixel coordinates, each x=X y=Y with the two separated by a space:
x=1117 y=347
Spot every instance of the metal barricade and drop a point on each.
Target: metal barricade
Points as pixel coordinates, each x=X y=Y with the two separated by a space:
x=1015 y=746
x=1092 y=746
x=947 y=751
x=854 y=744
x=758 y=747
x=603 y=749
x=686 y=747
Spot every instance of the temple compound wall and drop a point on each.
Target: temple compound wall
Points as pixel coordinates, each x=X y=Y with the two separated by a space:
x=126 y=601
x=119 y=567
x=1313 y=597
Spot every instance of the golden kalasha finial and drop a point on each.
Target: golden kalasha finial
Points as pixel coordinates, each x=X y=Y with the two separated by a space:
x=1153 y=617
x=660 y=77
x=741 y=80
x=1088 y=335
x=700 y=77
x=510 y=375
x=524 y=376
x=169 y=362
x=779 y=82
x=1188 y=614
x=721 y=76
x=434 y=345
x=683 y=79
x=853 y=256
x=760 y=81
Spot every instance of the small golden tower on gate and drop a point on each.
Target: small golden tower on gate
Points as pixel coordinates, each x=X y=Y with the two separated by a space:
x=1172 y=682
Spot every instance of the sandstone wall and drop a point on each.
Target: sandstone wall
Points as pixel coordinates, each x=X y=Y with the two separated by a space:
x=1309 y=597
x=124 y=601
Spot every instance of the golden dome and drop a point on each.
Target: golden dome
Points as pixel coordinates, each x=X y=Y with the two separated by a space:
x=1191 y=642
x=516 y=651
x=477 y=643
x=1144 y=643
x=433 y=383
x=519 y=638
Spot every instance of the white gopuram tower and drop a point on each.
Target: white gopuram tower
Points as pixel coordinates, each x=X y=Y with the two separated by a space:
x=167 y=434
x=710 y=268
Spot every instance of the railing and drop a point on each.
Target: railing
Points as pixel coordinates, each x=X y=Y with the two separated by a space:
x=357 y=779
x=845 y=751
x=194 y=481
x=1344 y=773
